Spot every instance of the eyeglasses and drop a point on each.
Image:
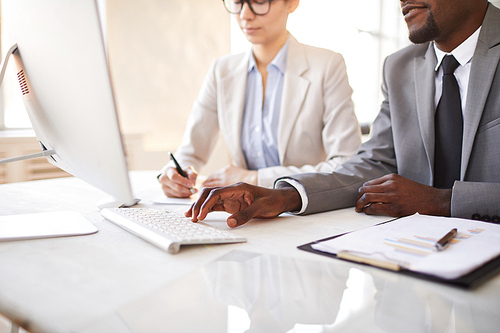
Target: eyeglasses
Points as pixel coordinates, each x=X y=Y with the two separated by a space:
x=258 y=7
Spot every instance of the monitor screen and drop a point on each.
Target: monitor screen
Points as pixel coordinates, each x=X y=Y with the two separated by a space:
x=62 y=68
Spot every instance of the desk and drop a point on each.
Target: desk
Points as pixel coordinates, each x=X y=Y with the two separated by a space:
x=114 y=282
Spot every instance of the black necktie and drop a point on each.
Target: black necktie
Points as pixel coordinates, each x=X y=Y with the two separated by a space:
x=449 y=129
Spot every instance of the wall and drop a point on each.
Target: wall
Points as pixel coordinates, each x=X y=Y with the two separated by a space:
x=160 y=51
x=159 y=54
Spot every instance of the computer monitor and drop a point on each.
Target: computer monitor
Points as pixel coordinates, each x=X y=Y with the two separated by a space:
x=61 y=64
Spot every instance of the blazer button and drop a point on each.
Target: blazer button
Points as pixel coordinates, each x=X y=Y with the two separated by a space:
x=495 y=219
x=486 y=218
x=476 y=216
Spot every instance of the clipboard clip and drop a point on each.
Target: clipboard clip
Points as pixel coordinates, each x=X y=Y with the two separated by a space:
x=389 y=264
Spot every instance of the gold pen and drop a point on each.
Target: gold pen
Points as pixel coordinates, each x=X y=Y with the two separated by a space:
x=443 y=242
x=373 y=262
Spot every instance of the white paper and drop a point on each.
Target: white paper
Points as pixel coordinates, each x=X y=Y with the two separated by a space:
x=408 y=241
x=164 y=200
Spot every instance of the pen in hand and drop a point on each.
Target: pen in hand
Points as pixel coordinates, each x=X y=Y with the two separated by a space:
x=181 y=172
x=443 y=242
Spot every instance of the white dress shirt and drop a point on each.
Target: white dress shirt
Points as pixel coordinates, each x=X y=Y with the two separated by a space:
x=259 y=127
x=463 y=53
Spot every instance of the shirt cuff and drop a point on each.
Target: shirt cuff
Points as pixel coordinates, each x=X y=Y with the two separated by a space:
x=284 y=182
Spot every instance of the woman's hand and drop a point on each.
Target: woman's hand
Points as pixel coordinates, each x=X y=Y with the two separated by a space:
x=230 y=175
x=176 y=186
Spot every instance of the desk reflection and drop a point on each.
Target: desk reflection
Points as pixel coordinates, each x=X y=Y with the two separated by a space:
x=249 y=292
x=276 y=293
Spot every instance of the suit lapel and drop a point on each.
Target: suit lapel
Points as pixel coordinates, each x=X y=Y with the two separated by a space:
x=232 y=101
x=294 y=92
x=424 y=91
x=483 y=67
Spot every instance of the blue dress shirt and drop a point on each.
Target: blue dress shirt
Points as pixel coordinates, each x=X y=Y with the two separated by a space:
x=259 y=127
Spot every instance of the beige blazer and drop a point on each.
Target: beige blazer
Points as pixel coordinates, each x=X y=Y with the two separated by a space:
x=317 y=131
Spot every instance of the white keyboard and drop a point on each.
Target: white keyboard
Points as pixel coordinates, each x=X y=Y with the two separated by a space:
x=166 y=229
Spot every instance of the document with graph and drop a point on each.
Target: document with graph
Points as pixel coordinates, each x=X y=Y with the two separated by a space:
x=409 y=243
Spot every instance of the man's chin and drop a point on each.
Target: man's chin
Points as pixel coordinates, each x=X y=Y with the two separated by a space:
x=419 y=37
x=424 y=34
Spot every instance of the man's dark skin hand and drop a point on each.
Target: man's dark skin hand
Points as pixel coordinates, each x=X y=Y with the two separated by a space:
x=391 y=195
x=245 y=202
x=397 y=196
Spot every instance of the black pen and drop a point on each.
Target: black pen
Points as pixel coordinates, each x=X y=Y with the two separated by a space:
x=180 y=171
x=443 y=242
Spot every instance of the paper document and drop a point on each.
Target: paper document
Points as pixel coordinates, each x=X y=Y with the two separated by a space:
x=164 y=200
x=409 y=242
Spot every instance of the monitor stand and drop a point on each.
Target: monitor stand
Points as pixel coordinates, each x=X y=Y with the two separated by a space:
x=5 y=61
x=44 y=153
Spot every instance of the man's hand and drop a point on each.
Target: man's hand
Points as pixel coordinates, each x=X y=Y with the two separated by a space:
x=397 y=196
x=231 y=175
x=176 y=186
x=245 y=202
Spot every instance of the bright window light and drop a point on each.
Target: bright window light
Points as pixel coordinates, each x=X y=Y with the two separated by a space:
x=363 y=31
x=14 y=113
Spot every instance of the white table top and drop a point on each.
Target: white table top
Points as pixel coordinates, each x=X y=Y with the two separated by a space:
x=112 y=281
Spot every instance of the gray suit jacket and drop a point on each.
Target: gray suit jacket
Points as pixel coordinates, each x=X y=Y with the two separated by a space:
x=403 y=133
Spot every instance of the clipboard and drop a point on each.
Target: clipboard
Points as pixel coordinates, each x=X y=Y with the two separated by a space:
x=467 y=281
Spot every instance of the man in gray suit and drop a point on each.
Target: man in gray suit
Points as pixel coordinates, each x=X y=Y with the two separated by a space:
x=400 y=170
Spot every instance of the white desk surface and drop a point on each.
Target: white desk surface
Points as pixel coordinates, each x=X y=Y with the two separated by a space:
x=112 y=281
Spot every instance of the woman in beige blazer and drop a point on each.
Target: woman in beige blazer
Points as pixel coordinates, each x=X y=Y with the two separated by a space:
x=317 y=128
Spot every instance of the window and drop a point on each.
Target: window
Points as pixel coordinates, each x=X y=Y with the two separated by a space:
x=13 y=114
x=12 y=111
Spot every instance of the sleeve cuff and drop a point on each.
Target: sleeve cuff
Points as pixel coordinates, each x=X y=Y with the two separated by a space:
x=284 y=182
